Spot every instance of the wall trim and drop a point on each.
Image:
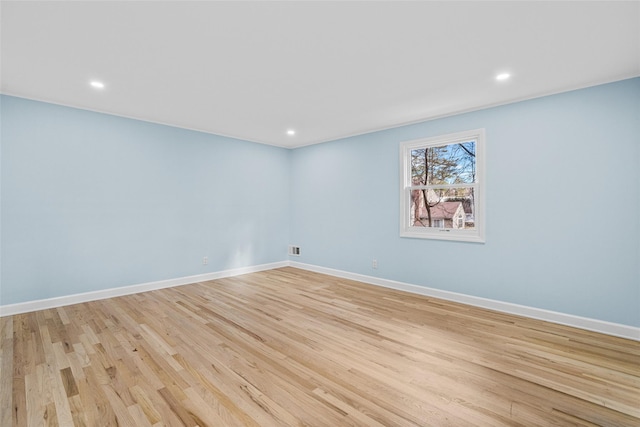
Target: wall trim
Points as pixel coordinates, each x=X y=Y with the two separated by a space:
x=28 y=306
x=601 y=326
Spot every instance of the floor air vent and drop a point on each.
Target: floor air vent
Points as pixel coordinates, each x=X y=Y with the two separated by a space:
x=294 y=250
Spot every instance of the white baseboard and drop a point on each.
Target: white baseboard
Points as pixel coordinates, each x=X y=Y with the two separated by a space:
x=595 y=325
x=609 y=328
x=25 y=307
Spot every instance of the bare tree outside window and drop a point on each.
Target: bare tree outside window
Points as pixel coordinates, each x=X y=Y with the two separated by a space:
x=443 y=165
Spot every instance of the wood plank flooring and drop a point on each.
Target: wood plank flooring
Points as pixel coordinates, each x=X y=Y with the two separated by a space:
x=288 y=347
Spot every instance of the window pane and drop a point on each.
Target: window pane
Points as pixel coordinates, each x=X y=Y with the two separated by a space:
x=443 y=208
x=442 y=187
x=445 y=164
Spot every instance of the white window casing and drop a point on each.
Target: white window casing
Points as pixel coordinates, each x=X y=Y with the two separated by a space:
x=474 y=230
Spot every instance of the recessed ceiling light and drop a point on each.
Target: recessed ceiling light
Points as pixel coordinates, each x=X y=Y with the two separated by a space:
x=503 y=76
x=96 y=84
x=291 y=132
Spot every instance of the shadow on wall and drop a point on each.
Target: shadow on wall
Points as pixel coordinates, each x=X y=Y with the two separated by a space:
x=243 y=254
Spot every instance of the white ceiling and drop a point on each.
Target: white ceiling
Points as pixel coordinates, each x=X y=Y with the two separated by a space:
x=252 y=70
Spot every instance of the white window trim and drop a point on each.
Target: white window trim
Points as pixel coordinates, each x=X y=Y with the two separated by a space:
x=464 y=235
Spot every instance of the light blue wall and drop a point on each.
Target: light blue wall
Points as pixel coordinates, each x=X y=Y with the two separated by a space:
x=92 y=201
x=563 y=206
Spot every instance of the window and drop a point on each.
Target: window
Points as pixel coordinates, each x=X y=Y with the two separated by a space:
x=442 y=187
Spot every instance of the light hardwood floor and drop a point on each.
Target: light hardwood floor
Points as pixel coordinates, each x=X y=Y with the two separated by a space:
x=289 y=347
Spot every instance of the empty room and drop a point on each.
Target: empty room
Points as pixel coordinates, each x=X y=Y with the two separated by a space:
x=319 y=213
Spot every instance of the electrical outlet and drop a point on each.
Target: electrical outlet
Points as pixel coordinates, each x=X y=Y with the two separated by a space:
x=205 y=260
x=374 y=263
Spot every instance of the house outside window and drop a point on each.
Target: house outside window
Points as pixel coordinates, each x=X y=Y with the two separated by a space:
x=442 y=187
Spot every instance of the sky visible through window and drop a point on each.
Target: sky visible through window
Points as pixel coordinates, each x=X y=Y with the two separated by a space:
x=446 y=164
